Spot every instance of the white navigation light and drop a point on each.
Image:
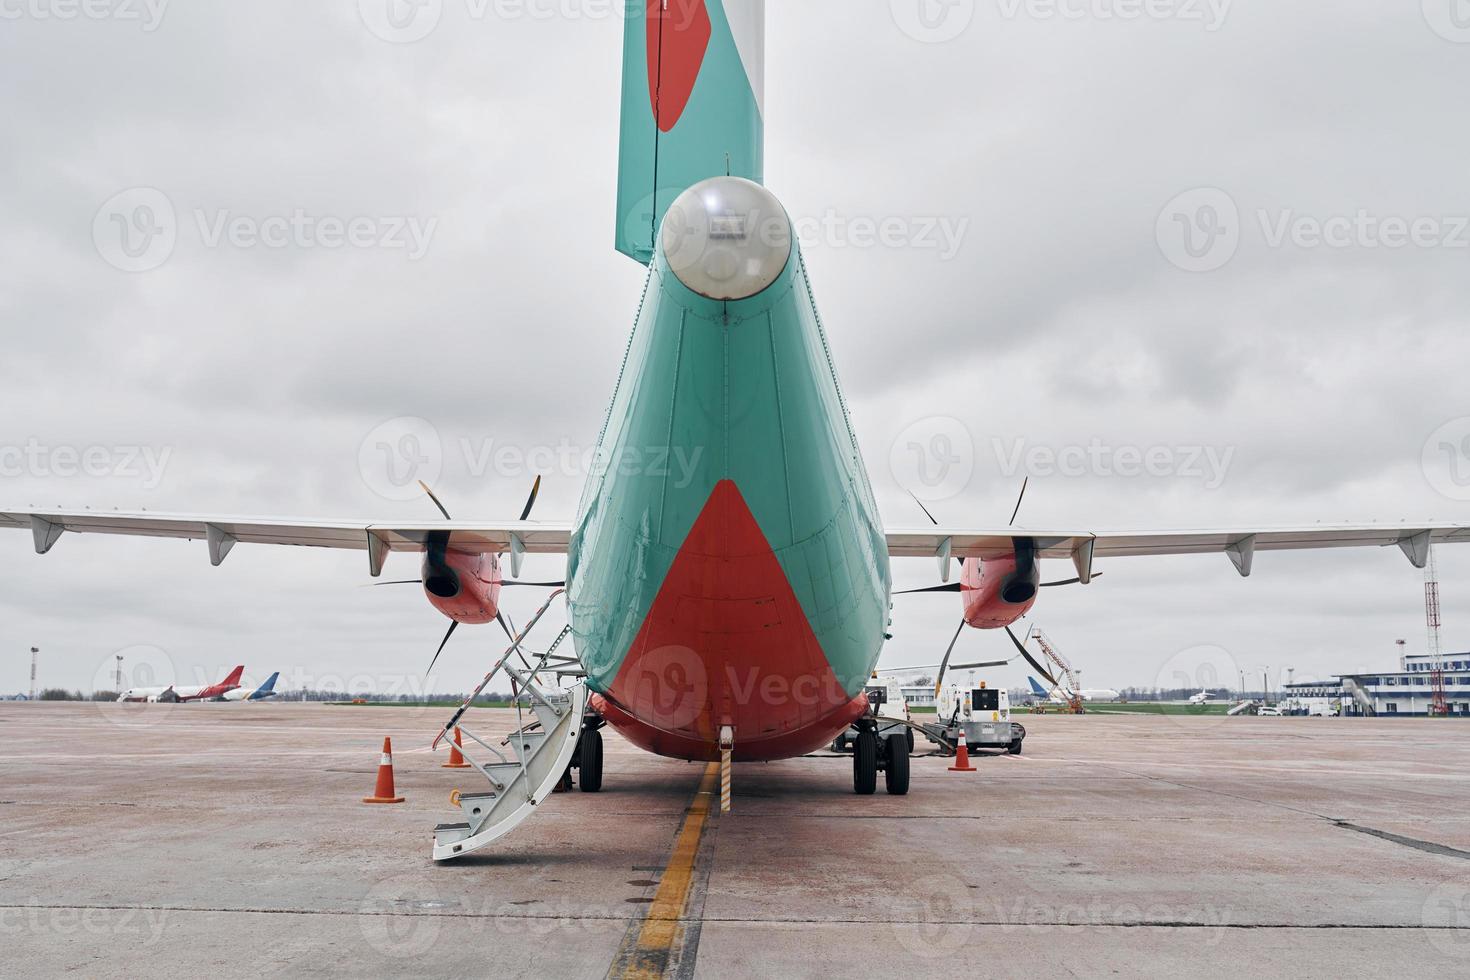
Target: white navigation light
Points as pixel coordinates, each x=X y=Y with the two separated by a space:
x=727 y=238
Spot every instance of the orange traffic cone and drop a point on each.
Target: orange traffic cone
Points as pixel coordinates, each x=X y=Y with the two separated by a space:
x=384 y=792
x=961 y=758
x=456 y=759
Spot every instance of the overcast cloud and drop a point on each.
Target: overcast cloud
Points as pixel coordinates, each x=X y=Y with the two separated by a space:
x=1224 y=245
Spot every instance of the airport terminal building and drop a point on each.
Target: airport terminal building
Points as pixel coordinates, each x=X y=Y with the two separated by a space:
x=1408 y=691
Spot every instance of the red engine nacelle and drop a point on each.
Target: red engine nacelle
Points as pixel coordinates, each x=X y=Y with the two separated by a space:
x=462 y=586
x=998 y=591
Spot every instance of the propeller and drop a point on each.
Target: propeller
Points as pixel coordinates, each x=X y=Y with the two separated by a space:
x=531 y=500
x=944 y=664
x=1035 y=665
x=453 y=625
x=1067 y=581
x=946 y=587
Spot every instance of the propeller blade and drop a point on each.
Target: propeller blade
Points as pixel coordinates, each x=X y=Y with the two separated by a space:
x=947 y=587
x=531 y=500
x=537 y=585
x=923 y=508
x=981 y=664
x=1024 y=484
x=402 y=581
x=1036 y=666
x=436 y=500
x=453 y=624
x=1067 y=581
x=944 y=664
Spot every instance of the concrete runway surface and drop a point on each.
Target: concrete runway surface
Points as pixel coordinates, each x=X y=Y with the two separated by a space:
x=227 y=840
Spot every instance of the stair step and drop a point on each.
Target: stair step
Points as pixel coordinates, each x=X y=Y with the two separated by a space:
x=449 y=834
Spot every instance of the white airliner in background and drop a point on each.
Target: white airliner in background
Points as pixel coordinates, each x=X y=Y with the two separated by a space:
x=249 y=693
x=1057 y=696
x=1203 y=697
x=172 y=693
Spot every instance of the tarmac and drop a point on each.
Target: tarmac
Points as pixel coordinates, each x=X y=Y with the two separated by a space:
x=228 y=840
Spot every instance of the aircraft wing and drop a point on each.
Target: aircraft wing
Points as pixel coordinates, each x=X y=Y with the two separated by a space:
x=1084 y=547
x=223 y=533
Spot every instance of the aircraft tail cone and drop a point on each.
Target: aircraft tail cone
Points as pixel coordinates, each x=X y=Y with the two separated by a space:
x=456 y=758
x=384 y=792
x=962 y=756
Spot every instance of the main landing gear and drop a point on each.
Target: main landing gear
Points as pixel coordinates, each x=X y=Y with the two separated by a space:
x=587 y=759
x=872 y=754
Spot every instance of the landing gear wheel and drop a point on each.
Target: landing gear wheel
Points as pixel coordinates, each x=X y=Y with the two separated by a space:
x=865 y=763
x=909 y=734
x=1014 y=748
x=590 y=772
x=896 y=773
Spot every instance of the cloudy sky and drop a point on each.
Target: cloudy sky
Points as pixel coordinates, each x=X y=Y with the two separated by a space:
x=1233 y=234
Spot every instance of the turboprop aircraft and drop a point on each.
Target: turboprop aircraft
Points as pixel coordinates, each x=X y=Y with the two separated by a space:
x=738 y=612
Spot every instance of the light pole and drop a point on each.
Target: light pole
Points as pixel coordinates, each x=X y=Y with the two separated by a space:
x=118 y=683
x=35 y=651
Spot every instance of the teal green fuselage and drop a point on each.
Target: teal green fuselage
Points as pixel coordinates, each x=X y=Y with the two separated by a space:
x=743 y=392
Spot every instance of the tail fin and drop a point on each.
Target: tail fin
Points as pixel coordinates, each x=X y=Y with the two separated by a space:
x=693 y=100
x=269 y=685
x=234 y=677
x=1035 y=687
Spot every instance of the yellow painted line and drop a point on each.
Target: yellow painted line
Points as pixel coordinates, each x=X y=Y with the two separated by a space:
x=650 y=954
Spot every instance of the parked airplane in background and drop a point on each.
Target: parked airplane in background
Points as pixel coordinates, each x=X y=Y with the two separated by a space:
x=247 y=693
x=1057 y=696
x=1203 y=697
x=173 y=693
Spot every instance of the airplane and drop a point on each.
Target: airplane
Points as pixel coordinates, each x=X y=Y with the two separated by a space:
x=261 y=693
x=173 y=693
x=737 y=611
x=1203 y=697
x=1056 y=696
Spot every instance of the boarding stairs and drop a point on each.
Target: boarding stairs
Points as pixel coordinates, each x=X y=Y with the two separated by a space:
x=528 y=764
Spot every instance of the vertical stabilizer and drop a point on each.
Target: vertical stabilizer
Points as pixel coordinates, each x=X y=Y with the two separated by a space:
x=693 y=92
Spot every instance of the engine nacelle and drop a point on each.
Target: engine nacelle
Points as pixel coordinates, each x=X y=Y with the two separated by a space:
x=998 y=591
x=465 y=587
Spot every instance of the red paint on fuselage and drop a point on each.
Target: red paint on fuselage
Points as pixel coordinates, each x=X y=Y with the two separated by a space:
x=726 y=642
x=478 y=599
x=981 y=581
x=677 y=40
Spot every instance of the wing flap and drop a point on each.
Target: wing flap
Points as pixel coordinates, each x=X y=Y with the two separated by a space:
x=1414 y=539
x=534 y=537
